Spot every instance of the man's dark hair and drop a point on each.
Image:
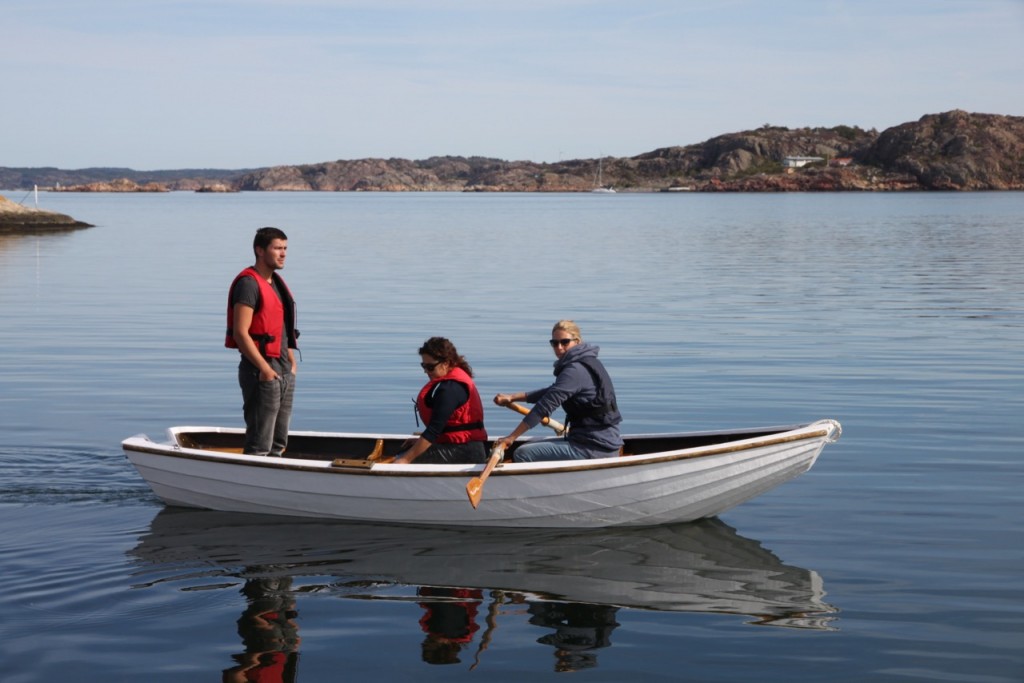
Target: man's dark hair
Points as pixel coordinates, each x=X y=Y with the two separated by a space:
x=264 y=236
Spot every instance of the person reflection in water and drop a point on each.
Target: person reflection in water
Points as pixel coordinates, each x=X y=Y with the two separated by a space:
x=449 y=623
x=269 y=633
x=579 y=630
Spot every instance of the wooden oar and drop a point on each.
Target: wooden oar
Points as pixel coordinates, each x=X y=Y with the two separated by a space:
x=497 y=597
x=378 y=449
x=475 y=487
x=547 y=421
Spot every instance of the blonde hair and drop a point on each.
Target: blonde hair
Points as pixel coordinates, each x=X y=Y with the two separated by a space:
x=570 y=327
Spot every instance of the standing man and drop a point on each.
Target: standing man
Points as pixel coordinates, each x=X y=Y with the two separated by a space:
x=261 y=325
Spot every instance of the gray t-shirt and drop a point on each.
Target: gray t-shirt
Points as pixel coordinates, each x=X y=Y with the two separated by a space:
x=247 y=293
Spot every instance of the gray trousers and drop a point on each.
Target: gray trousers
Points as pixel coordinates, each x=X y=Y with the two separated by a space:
x=474 y=452
x=267 y=407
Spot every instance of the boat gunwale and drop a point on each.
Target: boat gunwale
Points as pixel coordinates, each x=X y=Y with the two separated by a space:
x=824 y=430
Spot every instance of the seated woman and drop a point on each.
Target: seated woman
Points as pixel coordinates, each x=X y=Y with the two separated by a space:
x=584 y=389
x=451 y=409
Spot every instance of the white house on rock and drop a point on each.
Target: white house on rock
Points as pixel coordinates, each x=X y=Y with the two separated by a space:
x=799 y=162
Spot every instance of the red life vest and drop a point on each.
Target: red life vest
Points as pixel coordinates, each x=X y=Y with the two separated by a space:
x=453 y=621
x=270 y=318
x=467 y=422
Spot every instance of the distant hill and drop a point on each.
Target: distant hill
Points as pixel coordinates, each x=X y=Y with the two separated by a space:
x=48 y=177
x=955 y=150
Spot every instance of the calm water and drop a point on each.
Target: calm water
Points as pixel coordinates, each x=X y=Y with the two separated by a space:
x=897 y=558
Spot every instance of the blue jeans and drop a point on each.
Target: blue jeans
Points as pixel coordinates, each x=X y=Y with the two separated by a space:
x=267 y=407
x=543 y=450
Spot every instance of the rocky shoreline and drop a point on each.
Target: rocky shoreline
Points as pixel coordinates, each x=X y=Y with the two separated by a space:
x=15 y=218
x=952 y=151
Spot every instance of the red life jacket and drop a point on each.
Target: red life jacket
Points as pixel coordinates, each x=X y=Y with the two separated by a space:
x=467 y=422
x=453 y=621
x=271 y=317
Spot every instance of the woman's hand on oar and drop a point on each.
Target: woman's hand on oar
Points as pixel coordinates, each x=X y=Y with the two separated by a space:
x=547 y=421
x=475 y=487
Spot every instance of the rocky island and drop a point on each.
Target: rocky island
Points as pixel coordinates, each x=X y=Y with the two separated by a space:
x=15 y=218
x=951 y=151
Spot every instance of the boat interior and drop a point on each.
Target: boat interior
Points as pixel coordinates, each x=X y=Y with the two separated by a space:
x=368 y=448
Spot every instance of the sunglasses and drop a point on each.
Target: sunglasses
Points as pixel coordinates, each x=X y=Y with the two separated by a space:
x=429 y=367
x=555 y=343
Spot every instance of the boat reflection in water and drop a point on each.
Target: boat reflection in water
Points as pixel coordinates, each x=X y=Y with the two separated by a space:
x=572 y=583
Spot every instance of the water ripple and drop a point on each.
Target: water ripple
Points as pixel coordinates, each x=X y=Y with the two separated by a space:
x=54 y=476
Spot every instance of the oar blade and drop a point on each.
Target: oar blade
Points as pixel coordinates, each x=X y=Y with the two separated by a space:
x=475 y=486
x=475 y=490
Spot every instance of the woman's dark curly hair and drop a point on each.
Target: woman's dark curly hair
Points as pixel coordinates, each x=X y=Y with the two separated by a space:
x=442 y=350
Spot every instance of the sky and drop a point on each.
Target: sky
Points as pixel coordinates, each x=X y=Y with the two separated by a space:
x=232 y=84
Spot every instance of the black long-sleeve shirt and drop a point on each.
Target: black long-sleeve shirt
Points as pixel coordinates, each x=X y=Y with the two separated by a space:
x=443 y=400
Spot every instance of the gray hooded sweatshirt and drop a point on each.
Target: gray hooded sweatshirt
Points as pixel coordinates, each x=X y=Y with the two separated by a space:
x=574 y=380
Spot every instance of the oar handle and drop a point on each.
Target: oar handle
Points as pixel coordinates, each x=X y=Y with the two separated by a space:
x=497 y=453
x=546 y=421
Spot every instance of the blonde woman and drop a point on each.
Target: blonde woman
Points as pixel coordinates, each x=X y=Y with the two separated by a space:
x=583 y=388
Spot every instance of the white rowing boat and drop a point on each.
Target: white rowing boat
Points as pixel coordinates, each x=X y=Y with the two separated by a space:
x=659 y=479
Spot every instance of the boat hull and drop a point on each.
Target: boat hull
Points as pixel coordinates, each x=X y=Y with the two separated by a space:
x=637 y=490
